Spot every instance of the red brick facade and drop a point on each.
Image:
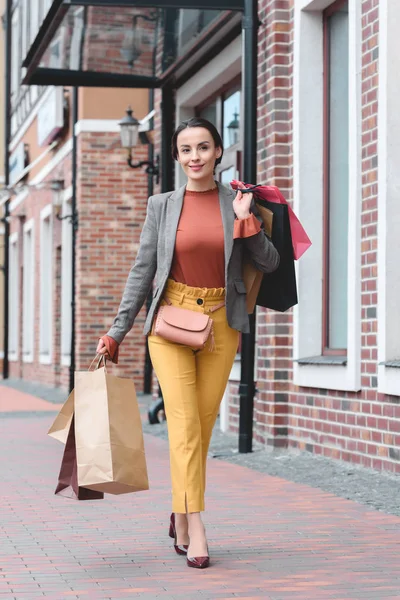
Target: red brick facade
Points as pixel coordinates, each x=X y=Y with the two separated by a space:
x=30 y=208
x=112 y=202
x=359 y=426
x=362 y=427
x=111 y=205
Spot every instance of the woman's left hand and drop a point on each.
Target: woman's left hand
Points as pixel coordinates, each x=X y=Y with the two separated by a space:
x=242 y=202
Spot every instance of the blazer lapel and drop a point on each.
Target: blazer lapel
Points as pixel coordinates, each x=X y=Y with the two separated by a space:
x=226 y=197
x=174 y=209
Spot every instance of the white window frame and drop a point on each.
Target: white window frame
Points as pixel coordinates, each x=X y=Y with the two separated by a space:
x=308 y=197
x=34 y=19
x=388 y=201
x=207 y=81
x=66 y=280
x=28 y=308
x=24 y=29
x=15 y=54
x=14 y=298
x=46 y=261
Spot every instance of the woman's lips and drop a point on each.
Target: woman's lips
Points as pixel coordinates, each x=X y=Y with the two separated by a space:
x=196 y=167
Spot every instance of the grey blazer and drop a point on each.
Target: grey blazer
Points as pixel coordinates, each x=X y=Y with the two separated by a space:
x=156 y=250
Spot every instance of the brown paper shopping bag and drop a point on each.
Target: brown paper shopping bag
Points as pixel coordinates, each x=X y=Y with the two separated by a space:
x=108 y=434
x=67 y=479
x=61 y=426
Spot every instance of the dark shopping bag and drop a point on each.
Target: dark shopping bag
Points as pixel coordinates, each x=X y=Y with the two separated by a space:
x=68 y=477
x=278 y=290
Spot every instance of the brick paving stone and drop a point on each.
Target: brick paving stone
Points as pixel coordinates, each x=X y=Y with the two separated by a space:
x=269 y=538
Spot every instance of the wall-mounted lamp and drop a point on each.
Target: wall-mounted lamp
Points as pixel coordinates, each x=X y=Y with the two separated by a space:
x=57 y=187
x=136 y=40
x=129 y=138
x=233 y=129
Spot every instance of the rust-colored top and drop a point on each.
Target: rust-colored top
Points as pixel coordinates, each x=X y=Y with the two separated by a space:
x=199 y=258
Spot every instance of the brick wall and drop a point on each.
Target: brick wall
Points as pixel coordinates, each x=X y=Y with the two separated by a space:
x=112 y=201
x=354 y=426
x=274 y=330
x=30 y=208
x=361 y=427
x=113 y=36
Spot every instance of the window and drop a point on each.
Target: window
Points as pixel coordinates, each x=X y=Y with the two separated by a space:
x=388 y=151
x=34 y=19
x=46 y=285
x=66 y=285
x=13 y=295
x=224 y=110
x=191 y=23
x=25 y=8
x=336 y=177
x=15 y=54
x=28 y=308
x=327 y=194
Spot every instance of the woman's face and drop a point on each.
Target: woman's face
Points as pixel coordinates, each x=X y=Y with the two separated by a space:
x=197 y=153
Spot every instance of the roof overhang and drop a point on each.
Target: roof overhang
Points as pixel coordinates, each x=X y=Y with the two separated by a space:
x=75 y=32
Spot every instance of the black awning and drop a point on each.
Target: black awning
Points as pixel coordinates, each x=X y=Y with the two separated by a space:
x=126 y=43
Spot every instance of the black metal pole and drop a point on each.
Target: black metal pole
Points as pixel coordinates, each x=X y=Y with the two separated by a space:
x=167 y=183
x=247 y=385
x=148 y=369
x=167 y=130
x=7 y=137
x=74 y=232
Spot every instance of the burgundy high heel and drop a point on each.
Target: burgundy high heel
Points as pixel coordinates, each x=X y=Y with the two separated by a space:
x=198 y=562
x=179 y=548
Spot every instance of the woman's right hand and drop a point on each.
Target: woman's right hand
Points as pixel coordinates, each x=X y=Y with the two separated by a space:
x=102 y=349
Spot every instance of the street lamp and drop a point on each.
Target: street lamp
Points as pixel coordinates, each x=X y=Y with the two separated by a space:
x=233 y=130
x=129 y=138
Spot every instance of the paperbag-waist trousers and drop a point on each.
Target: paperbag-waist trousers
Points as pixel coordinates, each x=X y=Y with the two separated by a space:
x=193 y=383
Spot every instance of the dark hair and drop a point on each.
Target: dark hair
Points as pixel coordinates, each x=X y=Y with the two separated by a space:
x=197 y=122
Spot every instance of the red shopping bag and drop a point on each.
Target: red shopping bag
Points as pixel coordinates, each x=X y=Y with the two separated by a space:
x=300 y=240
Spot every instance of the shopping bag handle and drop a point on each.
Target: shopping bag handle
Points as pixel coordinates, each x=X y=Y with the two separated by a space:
x=100 y=357
x=250 y=189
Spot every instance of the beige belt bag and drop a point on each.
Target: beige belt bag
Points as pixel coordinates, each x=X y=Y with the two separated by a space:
x=186 y=327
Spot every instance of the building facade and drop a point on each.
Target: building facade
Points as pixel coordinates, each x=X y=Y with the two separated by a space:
x=327 y=372
x=110 y=200
x=2 y=108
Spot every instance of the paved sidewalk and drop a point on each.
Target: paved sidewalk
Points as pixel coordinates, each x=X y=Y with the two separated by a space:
x=269 y=538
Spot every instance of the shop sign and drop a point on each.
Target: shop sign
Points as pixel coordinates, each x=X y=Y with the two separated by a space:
x=50 y=119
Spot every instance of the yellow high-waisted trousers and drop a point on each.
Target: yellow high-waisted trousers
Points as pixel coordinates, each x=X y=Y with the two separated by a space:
x=193 y=384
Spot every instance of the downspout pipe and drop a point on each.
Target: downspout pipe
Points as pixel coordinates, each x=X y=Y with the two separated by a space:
x=74 y=212
x=247 y=386
x=167 y=183
x=148 y=369
x=5 y=219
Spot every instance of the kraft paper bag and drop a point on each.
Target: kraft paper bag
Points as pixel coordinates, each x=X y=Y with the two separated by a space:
x=108 y=433
x=60 y=428
x=67 y=480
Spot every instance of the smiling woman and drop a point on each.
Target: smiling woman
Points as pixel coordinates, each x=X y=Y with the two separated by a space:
x=193 y=242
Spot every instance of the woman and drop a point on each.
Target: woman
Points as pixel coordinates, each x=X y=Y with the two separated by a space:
x=193 y=242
